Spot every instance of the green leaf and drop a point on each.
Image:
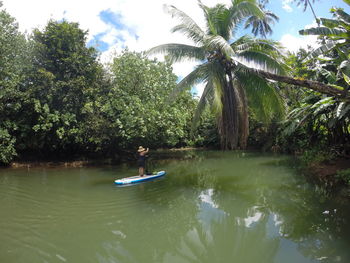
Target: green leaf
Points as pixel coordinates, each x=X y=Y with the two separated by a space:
x=346 y=78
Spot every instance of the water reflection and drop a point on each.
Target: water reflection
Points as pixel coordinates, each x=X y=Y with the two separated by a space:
x=250 y=218
x=211 y=207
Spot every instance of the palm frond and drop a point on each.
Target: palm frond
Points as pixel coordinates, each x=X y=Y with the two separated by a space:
x=240 y=10
x=342 y=110
x=207 y=96
x=346 y=78
x=224 y=25
x=201 y=73
x=210 y=18
x=178 y=52
x=187 y=26
x=218 y=20
x=325 y=31
x=263 y=99
x=261 y=26
x=266 y=45
x=219 y=43
x=217 y=98
x=260 y=60
x=243 y=42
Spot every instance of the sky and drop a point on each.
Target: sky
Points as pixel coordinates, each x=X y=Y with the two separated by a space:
x=139 y=25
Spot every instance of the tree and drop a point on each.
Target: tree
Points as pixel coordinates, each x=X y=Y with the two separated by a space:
x=324 y=118
x=261 y=26
x=137 y=108
x=12 y=67
x=307 y=3
x=63 y=84
x=230 y=84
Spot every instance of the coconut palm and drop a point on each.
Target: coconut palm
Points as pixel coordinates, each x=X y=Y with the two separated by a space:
x=307 y=3
x=230 y=85
x=262 y=26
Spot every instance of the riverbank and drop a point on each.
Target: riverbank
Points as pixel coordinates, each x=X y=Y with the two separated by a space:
x=62 y=163
x=329 y=168
x=127 y=156
x=332 y=175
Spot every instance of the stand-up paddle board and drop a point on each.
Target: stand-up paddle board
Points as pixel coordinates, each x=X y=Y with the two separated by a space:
x=139 y=179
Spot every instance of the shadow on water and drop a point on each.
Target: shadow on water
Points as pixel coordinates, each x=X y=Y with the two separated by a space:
x=242 y=210
x=210 y=207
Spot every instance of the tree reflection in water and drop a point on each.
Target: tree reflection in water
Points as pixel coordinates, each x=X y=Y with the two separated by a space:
x=236 y=208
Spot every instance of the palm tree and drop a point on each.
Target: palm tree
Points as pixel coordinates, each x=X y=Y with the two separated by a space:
x=261 y=26
x=230 y=85
x=307 y=3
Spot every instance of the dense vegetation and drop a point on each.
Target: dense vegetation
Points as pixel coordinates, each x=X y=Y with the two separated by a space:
x=230 y=88
x=58 y=101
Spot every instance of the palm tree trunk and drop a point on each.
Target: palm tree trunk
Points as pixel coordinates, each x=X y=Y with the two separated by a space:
x=228 y=122
x=314 y=85
x=313 y=12
x=243 y=117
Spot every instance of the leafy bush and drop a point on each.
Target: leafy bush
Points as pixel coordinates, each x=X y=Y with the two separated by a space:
x=7 y=149
x=314 y=156
x=344 y=175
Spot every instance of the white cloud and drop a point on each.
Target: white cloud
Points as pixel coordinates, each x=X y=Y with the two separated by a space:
x=147 y=19
x=286 y=5
x=293 y=43
x=314 y=24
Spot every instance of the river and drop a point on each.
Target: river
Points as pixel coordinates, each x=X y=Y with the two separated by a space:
x=211 y=206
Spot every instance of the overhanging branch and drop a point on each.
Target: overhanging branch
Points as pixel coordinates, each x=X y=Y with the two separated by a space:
x=314 y=85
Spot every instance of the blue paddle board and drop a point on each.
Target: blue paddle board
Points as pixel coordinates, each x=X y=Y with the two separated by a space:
x=139 y=179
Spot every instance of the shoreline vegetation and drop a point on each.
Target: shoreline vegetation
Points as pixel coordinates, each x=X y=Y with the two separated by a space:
x=323 y=170
x=61 y=107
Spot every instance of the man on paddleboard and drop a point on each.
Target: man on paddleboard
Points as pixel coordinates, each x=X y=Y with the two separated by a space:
x=141 y=161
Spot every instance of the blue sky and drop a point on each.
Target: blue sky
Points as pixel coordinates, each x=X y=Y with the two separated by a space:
x=139 y=25
x=292 y=19
x=296 y=19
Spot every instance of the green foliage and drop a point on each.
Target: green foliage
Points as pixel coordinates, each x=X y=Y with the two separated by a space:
x=64 y=78
x=315 y=156
x=316 y=123
x=261 y=25
x=225 y=66
x=139 y=108
x=335 y=33
x=344 y=175
x=7 y=149
x=12 y=69
x=205 y=134
x=56 y=100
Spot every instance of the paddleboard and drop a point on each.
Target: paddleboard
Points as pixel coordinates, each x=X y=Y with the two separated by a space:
x=139 y=179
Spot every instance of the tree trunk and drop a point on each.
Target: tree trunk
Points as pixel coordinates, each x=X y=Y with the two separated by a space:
x=229 y=123
x=314 y=85
x=243 y=116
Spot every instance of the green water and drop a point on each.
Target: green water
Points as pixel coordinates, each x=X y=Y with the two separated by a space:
x=210 y=207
